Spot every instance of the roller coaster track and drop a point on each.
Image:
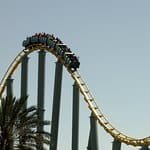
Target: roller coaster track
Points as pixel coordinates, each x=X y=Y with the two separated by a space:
x=85 y=92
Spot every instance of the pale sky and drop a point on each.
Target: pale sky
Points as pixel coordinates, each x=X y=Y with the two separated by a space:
x=112 y=40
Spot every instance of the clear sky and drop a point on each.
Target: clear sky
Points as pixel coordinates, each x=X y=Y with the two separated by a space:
x=111 y=38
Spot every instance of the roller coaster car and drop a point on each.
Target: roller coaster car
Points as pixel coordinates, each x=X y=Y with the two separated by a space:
x=74 y=62
x=50 y=43
x=26 y=42
x=34 y=39
x=63 y=46
x=59 y=41
x=61 y=50
x=74 y=65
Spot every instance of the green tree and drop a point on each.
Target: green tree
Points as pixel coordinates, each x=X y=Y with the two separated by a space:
x=18 y=125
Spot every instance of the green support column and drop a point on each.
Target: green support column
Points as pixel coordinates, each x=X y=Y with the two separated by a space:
x=9 y=87
x=145 y=148
x=56 y=106
x=41 y=89
x=24 y=78
x=116 y=145
x=93 y=137
x=89 y=142
x=75 y=118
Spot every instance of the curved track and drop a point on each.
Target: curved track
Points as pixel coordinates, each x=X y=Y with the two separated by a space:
x=85 y=92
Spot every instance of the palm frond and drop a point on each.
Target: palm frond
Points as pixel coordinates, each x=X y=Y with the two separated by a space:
x=18 y=125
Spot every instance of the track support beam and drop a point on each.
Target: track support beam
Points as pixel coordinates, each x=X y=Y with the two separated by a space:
x=24 y=78
x=93 y=137
x=56 y=105
x=116 y=145
x=41 y=89
x=9 y=89
x=75 y=118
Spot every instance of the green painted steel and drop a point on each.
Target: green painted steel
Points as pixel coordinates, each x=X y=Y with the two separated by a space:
x=56 y=106
x=93 y=138
x=41 y=89
x=50 y=42
x=24 y=78
x=145 y=148
x=9 y=85
x=34 y=39
x=89 y=142
x=116 y=145
x=75 y=118
x=58 y=50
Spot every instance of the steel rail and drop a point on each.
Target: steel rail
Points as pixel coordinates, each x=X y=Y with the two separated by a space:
x=108 y=127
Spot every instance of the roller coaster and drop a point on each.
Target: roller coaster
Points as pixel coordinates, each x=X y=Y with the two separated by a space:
x=49 y=43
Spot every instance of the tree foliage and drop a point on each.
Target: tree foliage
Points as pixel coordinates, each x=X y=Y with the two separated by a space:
x=18 y=125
